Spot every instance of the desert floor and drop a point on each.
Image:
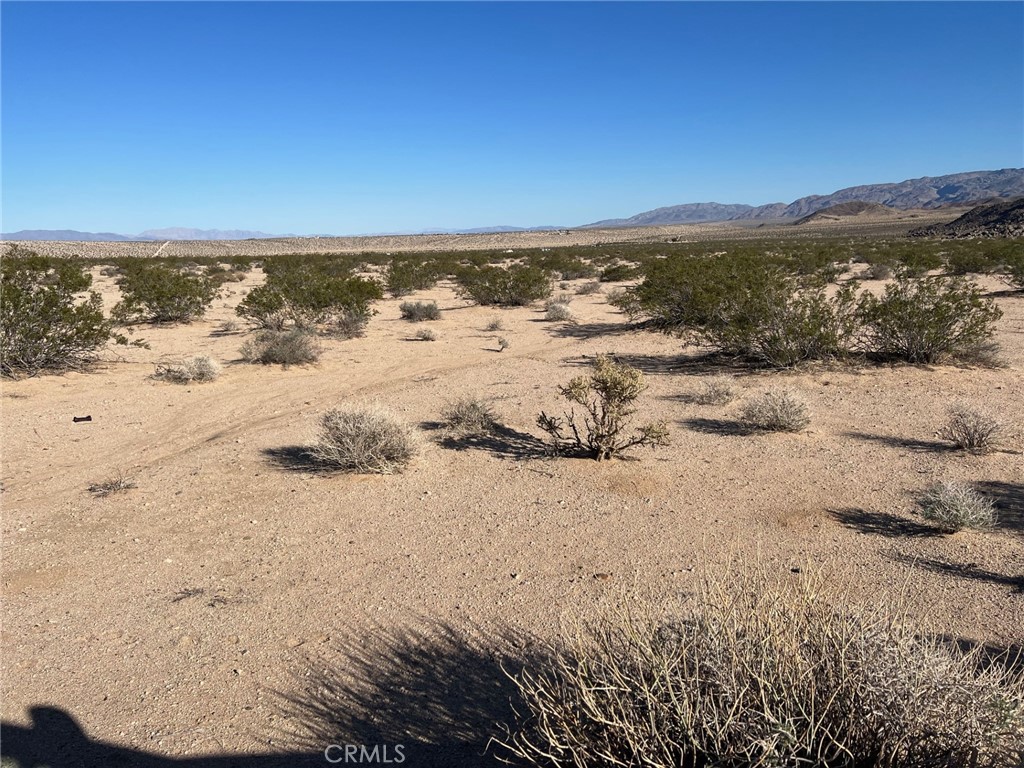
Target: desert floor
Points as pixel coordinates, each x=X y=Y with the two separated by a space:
x=221 y=605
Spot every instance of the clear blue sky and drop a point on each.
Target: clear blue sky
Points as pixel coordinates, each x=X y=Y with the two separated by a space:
x=346 y=118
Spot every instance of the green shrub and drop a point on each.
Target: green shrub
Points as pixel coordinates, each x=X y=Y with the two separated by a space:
x=619 y=273
x=155 y=293
x=295 y=346
x=607 y=397
x=927 y=320
x=44 y=326
x=968 y=262
x=955 y=506
x=1013 y=270
x=565 y=265
x=917 y=262
x=308 y=294
x=468 y=416
x=516 y=285
x=418 y=311
x=406 y=275
x=749 y=672
x=364 y=440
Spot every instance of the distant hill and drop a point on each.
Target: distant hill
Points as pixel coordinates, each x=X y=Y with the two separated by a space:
x=174 y=233
x=71 y=235
x=995 y=219
x=926 y=192
x=852 y=209
x=183 y=233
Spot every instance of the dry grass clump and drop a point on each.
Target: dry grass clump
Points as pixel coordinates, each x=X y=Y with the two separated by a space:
x=495 y=325
x=364 y=440
x=229 y=326
x=469 y=416
x=425 y=334
x=292 y=347
x=971 y=430
x=418 y=311
x=593 y=286
x=715 y=390
x=120 y=482
x=557 y=312
x=750 y=673
x=195 y=370
x=776 y=411
x=954 y=506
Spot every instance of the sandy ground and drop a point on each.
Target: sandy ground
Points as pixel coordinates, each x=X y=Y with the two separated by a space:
x=866 y=224
x=177 y=618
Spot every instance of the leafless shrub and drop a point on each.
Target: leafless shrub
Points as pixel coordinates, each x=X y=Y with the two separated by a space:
x=292 y=347
x=593 y=286
x=120 y=482
x=364 y=440
x=469 y=416
x=495 y=325
x=425 y=334
x=195 y=370
x=954 y=506
x=229 y=326
x=753 y=673
x=715 y=390
x=776 y=411
x=971 y=430
x=558 y=313
x=347 y=325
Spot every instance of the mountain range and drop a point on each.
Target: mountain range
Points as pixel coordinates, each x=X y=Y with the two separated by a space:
x=957 y=189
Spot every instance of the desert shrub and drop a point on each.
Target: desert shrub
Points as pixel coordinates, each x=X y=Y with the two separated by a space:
x=1013 y=271
x=715 y=390
x=619 y=273
x=425 y=334
x=503 y=344
x=917 y=262
x=219 y=274
x=607 y=397
x=116 y=484
x=346 y=324
x=592 y=286
x=294 y=346
x=45 y=327
x=971 y=430
x=156 y=293
x=877 y=271
x=567 y=266
x=469 y=416
x=516 y=285
x=966 y=262
x=927 y=320
x=775 y=411
x=955 y=506
x=363 y=440
x=405 y=275
x=557 y=312
x=495 y=325
x=194 y=370
x=308 y=294
x=418 y=311
x=749 y=672
x=228 y=326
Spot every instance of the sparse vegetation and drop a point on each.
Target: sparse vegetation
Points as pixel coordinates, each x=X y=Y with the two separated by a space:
x=971 y=430
x=715 y=390
x=294 y=346
x=195 y=370
x=954 y=506
x=776 y=411
x=366 y=440
x=878 y=271
x=589 y=287
x=607 y=397
x=469 y=416
x=755 y=673
x=425 y=334
x=556 y=312
x=418 y=311
x=116 y=484
x=228 y=326
x=495 y=325
x=157 y=293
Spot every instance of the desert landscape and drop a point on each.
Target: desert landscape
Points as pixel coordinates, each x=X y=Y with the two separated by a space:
x=188 y=585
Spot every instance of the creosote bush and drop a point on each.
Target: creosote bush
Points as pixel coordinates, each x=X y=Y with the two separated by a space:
x=749 y=672
x=469 y=416
x=775 y=411
x=607 y=397
x=954 y=506
x=294 y=346
x=515 y=285
x=971 y=430
x=368 y=440
x=46 y=326
x=157 y=293
x=195 y=370
x=418 y=311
